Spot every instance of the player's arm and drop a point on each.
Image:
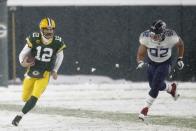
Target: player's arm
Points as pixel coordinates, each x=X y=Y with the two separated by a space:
x=180 y=48
x=58 y=62
x=23 y=56
x=141 y=53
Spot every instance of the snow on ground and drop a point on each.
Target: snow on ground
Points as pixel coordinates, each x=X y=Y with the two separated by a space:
x=35 y=122
x=65 y=105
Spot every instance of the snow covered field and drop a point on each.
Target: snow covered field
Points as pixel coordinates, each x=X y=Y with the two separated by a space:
x=95 y=106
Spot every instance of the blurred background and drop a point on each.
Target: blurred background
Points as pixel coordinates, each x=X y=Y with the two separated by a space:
x=102 y=38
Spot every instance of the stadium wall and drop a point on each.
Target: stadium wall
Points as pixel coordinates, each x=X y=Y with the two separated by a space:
x=103 y=40
x=3 y=45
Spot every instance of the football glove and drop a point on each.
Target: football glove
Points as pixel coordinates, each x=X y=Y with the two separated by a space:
x=180 y=63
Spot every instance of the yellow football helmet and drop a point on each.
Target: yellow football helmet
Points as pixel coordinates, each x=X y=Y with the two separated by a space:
x=47 y=23
x=47 y=26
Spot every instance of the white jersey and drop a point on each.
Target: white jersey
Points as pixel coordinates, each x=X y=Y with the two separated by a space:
x=159 y=51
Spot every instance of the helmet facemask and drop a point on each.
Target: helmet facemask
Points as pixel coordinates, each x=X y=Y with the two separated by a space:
x=47 y=26
x=157 y=31
x=48 y=33
x=157 y=37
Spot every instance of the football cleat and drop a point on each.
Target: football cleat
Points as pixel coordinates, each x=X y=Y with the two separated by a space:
x=173 y=91
x=143 y=113
x=16 y=120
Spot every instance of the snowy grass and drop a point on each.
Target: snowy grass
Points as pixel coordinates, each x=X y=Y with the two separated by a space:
x=100 y=107
x=113 y=116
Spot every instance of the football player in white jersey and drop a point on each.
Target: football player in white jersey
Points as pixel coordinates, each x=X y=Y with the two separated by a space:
x=157 y=43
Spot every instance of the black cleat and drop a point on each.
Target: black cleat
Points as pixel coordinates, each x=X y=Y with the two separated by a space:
x=16 y=120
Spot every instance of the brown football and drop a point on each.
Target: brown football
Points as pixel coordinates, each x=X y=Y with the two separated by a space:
x=30 y=59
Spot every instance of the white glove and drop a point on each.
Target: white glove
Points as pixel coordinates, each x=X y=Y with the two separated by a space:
x=140 y=65
x=180 y=64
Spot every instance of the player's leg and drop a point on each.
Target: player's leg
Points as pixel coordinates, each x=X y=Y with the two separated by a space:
x=162 y=73
x=27 y=89
x=39 y=87
x=150 y=75
x=27 y=107
x=149 y=100
x=158 y=82
x=157 y=77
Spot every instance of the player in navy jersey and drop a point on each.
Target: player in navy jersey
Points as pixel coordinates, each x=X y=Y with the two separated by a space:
x=157 y=43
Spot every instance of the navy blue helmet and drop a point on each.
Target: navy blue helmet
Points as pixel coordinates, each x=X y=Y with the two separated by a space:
x=158 y=27
x=157 y=30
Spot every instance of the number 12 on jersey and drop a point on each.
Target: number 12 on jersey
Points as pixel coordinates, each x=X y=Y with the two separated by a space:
x=44 y=54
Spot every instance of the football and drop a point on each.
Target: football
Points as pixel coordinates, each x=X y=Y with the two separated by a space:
x=30 y=59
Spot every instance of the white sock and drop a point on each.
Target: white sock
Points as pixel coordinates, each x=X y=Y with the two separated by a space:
x=21 y=114
x=168 y=87
x=149 y=101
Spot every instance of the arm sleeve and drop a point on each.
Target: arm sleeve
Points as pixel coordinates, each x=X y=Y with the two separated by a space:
x=26 y=50
x=58 y=62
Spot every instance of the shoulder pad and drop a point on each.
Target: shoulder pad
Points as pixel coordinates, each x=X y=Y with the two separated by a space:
x=32 y=38
x=144 y=37
x=35 y=35
x=145 y=33
x=171 y=36
x=60 y=43
x=170 y=33
x=58 y=39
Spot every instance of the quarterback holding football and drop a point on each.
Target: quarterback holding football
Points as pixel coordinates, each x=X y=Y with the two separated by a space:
x=42 y=55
